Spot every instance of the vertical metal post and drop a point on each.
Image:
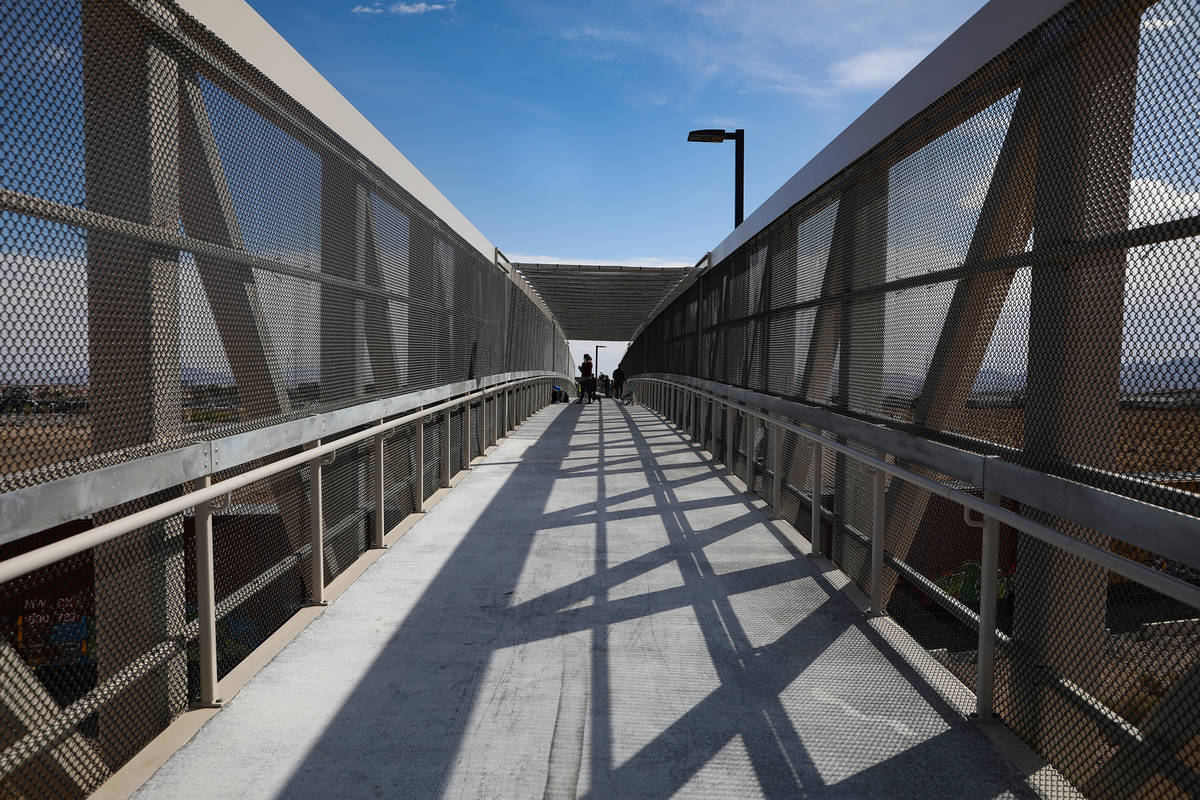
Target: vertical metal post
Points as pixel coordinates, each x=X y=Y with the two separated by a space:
x=316 y=530
x=380 y=522
x=749 y=426
x=777 y=467
x=466 y=439
x=444 y=455
x=878 y=521
x=419 y=483
x=730 y=446
x=206 y=601
x=705 y=405
x=818 y=466
x=989 y=559
x=739 y=191
x=483 y=423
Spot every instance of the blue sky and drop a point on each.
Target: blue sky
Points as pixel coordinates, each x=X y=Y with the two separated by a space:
x=558 y=126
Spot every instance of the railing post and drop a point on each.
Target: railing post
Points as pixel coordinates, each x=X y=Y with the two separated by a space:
x=316 y=530
x=689 y=408
x=483 y=423
x=444 y=455
x=695 y=427
x=989 y=565
x=818 y=480
x=466 y=439
x=706 y=403
x=730 y=446
x=878 y=513
x=380 y=522
x=206 y=601
x=420 y=479
x=777 y=468
x=749 y=428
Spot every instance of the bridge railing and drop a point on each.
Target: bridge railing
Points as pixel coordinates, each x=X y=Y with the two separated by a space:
x=1000 y=257
x=263 y=534
x=210 y=261
x=756 y=435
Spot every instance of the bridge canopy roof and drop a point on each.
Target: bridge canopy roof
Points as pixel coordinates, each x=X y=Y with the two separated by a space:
x=605 y=302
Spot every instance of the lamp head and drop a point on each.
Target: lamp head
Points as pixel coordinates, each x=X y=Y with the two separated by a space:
x=708 y=135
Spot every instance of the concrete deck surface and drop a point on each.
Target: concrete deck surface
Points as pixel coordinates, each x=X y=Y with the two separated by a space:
x=593 y=612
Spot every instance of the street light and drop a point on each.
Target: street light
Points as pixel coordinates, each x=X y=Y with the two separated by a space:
x=739 y=136
x=596 y=361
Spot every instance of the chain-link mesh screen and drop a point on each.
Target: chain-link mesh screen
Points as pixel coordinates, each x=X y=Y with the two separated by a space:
x=262 y=548
x=1015 y=271
x=186 y=253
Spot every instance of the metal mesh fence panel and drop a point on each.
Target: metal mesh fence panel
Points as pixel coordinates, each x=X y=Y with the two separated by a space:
x=347 y=507
x=187 y=254
x=261 y=552
x=400 y=473
x=94 y=657
x=1013 y=271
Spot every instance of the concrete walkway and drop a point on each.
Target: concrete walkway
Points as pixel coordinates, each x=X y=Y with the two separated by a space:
x=594 y=611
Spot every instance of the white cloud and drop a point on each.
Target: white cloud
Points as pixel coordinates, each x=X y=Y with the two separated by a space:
x=1152 y=201
x=53 y=53
x=875 y=69
x=419 y=8
x=773 y=45
x=1158 y=23
x=404 y=9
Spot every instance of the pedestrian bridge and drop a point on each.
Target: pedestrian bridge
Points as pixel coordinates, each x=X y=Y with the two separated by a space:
x=907 y=505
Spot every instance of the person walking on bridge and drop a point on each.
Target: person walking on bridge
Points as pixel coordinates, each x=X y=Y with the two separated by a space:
x=618 y=378
x=587 y=379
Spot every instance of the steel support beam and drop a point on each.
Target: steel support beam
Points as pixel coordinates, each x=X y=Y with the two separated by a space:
x=131 y=133
x=1086 y=98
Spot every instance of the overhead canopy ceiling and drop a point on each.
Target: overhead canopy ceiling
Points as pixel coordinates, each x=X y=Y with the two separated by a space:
x=607 y=303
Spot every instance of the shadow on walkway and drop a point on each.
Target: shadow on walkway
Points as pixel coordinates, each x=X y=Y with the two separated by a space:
x=604 y=616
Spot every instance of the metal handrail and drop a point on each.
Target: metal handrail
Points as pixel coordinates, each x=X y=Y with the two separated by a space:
x=27 y=562
x=209 y=610
x=671 y=396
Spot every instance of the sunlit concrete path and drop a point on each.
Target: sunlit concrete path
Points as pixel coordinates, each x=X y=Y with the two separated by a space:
x=595 y=611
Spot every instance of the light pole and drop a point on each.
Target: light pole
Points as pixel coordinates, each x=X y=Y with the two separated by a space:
x=739 y=138
x=596 y=360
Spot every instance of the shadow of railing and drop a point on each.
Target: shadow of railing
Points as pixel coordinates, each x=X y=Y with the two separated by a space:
x=781 y=674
